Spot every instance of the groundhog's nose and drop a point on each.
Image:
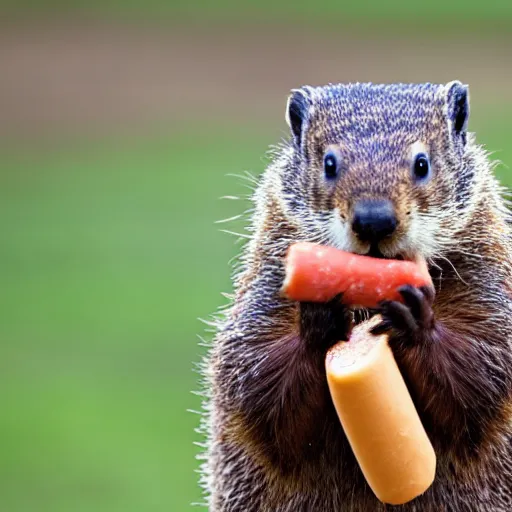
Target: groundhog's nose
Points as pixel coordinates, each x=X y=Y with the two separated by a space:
x=373 y=220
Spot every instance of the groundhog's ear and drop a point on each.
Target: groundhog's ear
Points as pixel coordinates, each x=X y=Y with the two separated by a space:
x=297 y=110
x=458 y=108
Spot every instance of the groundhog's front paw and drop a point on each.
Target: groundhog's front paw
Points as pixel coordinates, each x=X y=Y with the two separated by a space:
x=324 y=324
x=407 y=323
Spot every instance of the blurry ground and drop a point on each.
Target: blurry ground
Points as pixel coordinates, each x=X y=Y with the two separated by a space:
x=117 y=140
x=70 y=77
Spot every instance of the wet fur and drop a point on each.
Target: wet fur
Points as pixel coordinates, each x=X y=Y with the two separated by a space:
x=273 y=440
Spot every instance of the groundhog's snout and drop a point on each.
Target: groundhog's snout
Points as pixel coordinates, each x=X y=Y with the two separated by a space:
x=373 y=220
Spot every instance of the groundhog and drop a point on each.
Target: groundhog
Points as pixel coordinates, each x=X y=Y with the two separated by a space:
x=390 y=171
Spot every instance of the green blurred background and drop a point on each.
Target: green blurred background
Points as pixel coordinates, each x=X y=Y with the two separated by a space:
x=120 y=125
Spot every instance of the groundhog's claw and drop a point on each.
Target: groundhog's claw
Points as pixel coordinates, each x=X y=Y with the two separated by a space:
x=409 y=319
x=324 y=324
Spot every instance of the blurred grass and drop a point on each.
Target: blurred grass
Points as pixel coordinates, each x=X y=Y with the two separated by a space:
x=434 y=12
x=108 y=256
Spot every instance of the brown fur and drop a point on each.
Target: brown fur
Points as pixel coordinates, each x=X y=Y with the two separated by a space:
x=274 y=441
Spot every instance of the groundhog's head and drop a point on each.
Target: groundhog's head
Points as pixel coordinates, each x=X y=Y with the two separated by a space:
x=380 y=169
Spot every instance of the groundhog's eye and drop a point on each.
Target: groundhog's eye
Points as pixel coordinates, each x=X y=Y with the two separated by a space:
x=421 y=168
x=331 y=165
